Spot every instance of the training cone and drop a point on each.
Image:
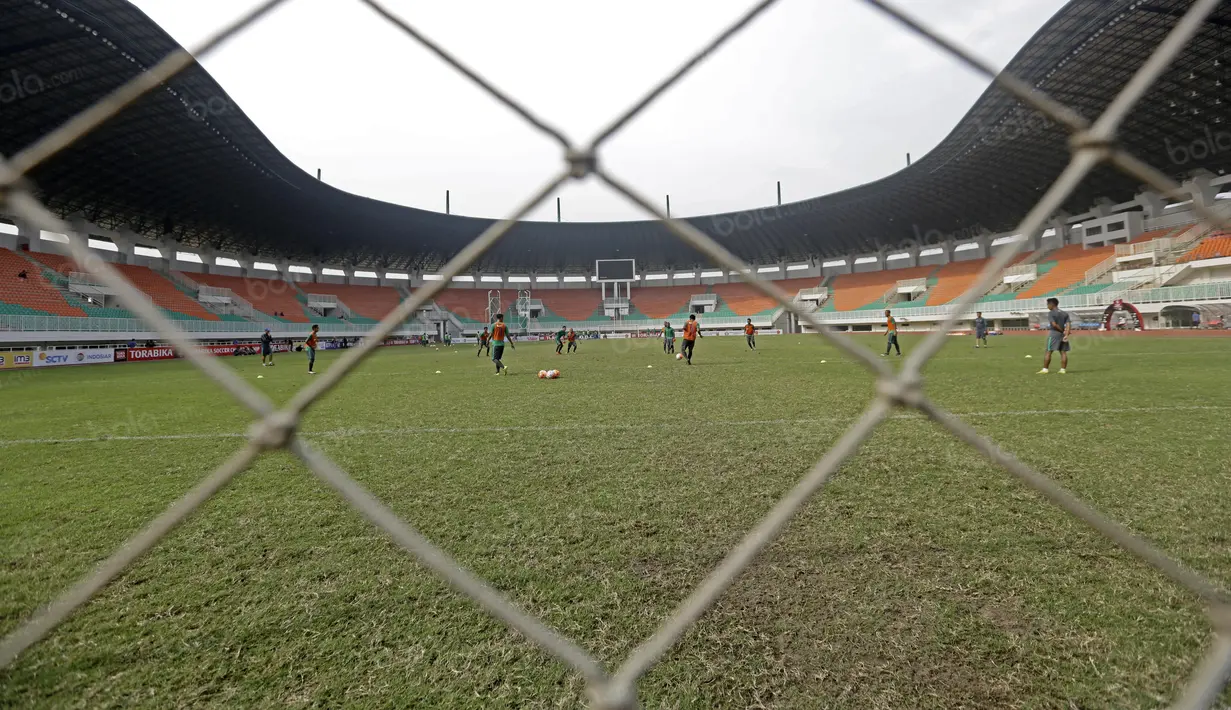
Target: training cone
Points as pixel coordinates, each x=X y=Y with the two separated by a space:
x=438 y=372
x=1029 y=356
x=260 y=377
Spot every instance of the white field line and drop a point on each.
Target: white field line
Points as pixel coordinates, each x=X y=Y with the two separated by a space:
x=405 y=431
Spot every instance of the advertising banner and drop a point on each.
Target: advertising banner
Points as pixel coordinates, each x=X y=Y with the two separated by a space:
x=57 y=358
x=143 y=354
x=244 y=349
x=16 y=360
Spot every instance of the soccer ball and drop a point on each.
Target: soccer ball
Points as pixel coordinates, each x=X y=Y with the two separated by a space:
x=542 y=374
x=553 y=374
x=679 y=356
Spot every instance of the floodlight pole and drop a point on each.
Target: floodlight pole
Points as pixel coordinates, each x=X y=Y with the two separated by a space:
x=779 y=193
x=668 y=206
x=447 y=202
x=557 y=209
x=908 y=160
x=318 y=173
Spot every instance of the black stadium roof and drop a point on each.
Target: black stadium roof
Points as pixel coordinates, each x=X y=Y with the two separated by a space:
x=215 y=180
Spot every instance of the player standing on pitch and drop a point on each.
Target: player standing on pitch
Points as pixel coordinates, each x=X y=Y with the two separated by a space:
x=559 y=341
x=891 y=334
x=750 y=334
x=980 y=330
x=500 y=333
x=668 y=338
x=1059 y=328
x=572 y=341
x=309 y=346
x=692 y=331
x=484 y=342
x=267 y=348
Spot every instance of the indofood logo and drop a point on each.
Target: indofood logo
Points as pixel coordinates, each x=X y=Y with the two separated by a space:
x=17 y=85
x=1200 y=148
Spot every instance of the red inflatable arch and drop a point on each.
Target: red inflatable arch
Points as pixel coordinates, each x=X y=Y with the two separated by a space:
x=1119 y=306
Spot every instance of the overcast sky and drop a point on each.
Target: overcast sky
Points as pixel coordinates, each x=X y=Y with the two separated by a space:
x=820 y=94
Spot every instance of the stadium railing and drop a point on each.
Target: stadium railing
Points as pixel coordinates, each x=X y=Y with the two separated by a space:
x=1166 y=294
x=136 y=325
x=1091 y=144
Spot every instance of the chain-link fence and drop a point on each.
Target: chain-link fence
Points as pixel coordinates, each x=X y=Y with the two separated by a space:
x=1091 y=144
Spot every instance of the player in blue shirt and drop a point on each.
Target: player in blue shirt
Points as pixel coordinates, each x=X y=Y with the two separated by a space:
x=1059 y=325
x=980 y=330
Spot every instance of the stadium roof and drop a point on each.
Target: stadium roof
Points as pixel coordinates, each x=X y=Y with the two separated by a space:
x=164 y=168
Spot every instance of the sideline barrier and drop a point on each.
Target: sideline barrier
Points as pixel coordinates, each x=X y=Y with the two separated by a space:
x=16 y=360
x=74 y=356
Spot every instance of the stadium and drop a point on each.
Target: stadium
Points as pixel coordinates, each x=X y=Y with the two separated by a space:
x=184 y=525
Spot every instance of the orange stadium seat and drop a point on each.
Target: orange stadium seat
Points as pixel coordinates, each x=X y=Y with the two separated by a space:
x=33 y=292
x=663 y=301
x=268 y=296
x=746 y=300
x=571 y=303
x=468 y=303
x=1212 y=247
x=954 y=278
x=55 y=262
x=374 y=302
x=1072 y=263
x=852 y=291
x=162 y=292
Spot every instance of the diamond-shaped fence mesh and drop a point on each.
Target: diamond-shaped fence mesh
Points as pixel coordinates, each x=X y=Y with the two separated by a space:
x=1091 y=144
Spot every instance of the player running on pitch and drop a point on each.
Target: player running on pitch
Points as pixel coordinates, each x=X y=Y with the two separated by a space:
x=891 y=334
x=309 y=347
x=668 y=338
x=572 y=341
x=750 y=334
x=500 y=334
x=692 y=331
x=1059 y=328
x=267 y=349
x=980 y=330
x=560 y=341
x=484 y=343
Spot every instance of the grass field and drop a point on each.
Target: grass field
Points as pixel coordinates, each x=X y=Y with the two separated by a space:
x=921 y=576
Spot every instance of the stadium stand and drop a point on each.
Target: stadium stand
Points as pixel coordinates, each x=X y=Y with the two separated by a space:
x=59 y=264
x=572 y=304
x=161 y=290
x=746 y=300
x=664 y=301
x=33 y=295
x=468 y=304
x=1065 y=267
x=268 y=296
x=163 y=293
x=369 y=302
x=1213 y=246
x=953 y=279
x=866 y=290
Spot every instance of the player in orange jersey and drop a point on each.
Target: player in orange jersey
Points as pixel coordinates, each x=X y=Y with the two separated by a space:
x=692 y=331
x=500 y=335
x=750 y=334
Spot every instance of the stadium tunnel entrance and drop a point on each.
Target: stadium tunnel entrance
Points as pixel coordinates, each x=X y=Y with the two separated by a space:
x=1123 y=316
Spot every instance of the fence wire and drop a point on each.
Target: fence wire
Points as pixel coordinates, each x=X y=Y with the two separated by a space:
x=1091 y=144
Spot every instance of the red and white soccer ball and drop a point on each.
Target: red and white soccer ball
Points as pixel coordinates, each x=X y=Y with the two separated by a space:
x=542 y=374
x=553 y=374
x=679 y=356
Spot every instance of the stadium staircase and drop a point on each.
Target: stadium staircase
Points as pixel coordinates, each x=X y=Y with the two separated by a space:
x=361 y=304
x=76 y=286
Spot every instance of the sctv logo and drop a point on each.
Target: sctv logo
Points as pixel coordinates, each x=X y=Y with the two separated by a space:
x=1200 y=148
